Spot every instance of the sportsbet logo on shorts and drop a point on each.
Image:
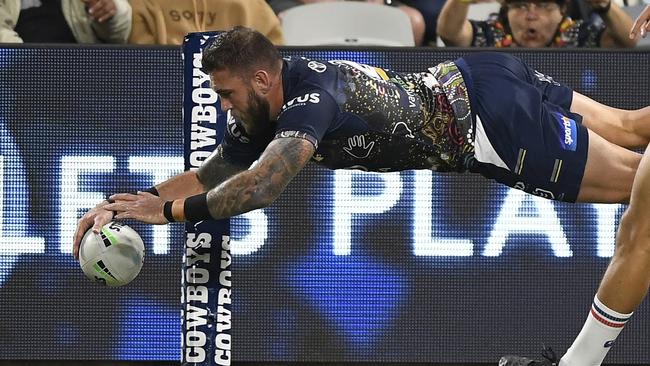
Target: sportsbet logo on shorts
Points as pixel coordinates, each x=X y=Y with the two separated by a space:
x=568 y=136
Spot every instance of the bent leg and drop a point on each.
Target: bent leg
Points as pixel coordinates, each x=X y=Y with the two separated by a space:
x=627 y=278
x=621 y=127
x=609 y=172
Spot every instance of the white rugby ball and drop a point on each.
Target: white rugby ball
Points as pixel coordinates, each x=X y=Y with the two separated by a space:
x=114 y=257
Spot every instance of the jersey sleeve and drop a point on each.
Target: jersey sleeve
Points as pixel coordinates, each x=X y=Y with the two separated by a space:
x=237 y=147
x=309 y=115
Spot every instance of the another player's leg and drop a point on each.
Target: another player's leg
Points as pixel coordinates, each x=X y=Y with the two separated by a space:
x=623 y=287
x=625 y=282
x=605 y=159
x=622 y=127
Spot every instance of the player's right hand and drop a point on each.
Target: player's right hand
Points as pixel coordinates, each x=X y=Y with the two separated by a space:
x=96 y=218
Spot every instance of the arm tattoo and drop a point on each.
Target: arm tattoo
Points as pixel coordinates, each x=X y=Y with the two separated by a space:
x=216 y=169
x=262 y=184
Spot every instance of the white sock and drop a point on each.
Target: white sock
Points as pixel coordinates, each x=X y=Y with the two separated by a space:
x=597 y=336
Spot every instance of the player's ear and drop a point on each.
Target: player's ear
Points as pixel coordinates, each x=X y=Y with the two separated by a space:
x=263 y=81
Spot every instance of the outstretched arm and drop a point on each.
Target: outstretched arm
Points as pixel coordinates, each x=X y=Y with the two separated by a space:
x=217 y=169
x=618 y=24
x=214 y=170
x=254 y=188
x=260 y=186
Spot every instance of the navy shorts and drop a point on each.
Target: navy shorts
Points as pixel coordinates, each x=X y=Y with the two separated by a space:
x=526 y=137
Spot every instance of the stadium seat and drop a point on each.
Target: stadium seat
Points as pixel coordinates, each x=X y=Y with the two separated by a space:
x=346 y=23
x=481 y=11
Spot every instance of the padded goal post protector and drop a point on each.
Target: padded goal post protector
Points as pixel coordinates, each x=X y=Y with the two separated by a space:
x=206 y=279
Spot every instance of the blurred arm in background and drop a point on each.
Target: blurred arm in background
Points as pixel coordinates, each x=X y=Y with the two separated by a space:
x=617 y=21
x=9 y=10
x=108 y=21
x=641 y=24
x=80 y=21
x=453 y=26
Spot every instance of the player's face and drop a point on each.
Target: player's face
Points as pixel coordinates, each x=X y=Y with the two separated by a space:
x=534 y=23
x=256 y=116
x=240 y=97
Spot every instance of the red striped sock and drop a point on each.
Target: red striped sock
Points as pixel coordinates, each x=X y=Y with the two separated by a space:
x=602 y=327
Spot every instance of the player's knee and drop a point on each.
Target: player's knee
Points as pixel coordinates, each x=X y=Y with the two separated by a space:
x=634 y=234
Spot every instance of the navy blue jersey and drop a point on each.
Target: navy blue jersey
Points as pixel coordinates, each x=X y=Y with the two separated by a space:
x=359 y=116
x=487 y=112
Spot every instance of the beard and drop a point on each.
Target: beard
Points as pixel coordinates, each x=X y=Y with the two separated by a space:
x=256 y=118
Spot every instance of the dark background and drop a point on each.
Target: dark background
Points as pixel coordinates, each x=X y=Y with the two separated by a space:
x=295 y=299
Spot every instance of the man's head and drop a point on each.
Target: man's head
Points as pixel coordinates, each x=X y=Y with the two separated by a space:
x=245 y=70
x=534 y=23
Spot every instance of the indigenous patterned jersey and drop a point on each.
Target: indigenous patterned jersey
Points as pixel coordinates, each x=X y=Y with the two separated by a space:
x=571 y=33
x=363 y=117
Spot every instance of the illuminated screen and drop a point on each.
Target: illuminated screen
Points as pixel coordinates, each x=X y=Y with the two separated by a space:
x=345 y=266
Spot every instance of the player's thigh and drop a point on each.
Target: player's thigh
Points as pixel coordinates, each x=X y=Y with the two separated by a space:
x=640 y=199
x=609 y=172
x=634 y=227
x=613 y=124
x=593 y=112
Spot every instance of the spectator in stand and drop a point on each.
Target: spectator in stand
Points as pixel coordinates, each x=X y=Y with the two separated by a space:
x=534 y=24
x=166 y=22
x=64 y=21
x=417 y=20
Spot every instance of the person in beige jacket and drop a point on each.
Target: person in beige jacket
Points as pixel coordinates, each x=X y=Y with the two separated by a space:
x=166 y=22
x=90 y=21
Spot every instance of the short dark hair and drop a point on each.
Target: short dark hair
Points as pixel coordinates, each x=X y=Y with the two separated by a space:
x=240 y=50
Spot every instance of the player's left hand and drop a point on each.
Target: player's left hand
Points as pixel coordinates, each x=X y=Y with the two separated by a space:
x=144 y=207
x=94 y=219
x=101 y=10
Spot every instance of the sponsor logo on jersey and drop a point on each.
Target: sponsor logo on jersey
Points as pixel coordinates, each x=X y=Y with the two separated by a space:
x=545 y=78
x=608 y=344
x=236 y=131
x=313 y=98
x=568 y=135
x=317 y=66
